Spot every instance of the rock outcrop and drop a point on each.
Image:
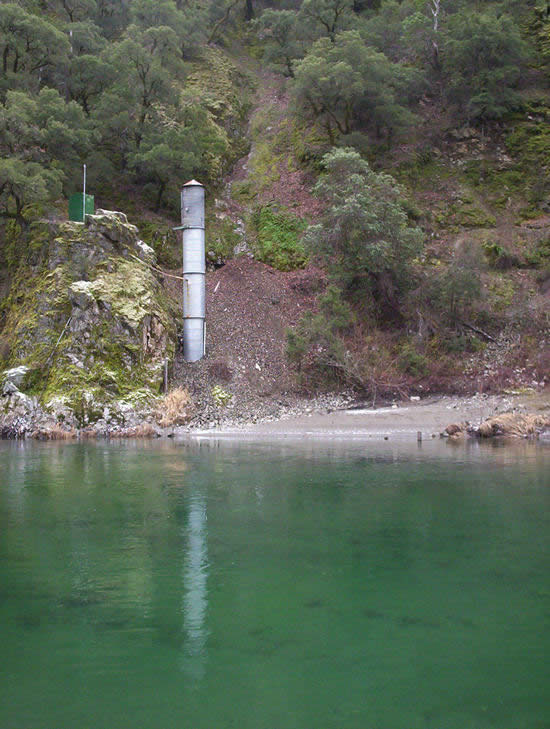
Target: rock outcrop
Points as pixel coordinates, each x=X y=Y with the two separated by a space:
x=517 y=425
x=87 y=331
x=510 y=424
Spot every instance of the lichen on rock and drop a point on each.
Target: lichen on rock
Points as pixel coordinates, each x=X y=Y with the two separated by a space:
x=88 y=320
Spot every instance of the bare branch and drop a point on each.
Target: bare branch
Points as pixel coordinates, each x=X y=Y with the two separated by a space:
x=435 y=7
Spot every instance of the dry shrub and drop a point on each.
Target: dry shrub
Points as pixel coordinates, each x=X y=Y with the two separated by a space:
x=543 y=364
x=221 y=371
x=176 y=408
x=514 y=424
x=145 y=430
x=501 y=378
x=55 y=432
x=308 y=281
x=457 y=430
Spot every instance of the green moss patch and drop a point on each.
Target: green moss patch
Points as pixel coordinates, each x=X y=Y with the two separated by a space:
x=278 y=239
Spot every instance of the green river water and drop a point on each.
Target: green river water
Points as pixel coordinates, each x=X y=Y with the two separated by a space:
x=209 y=585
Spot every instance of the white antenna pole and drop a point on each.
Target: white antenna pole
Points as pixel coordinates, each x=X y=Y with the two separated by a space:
x=84 y=197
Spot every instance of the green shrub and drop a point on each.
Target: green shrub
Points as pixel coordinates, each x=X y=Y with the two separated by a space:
x=541 y=255
x=364 y=235
x=278 y=239
x=221 y=239
x=5 y=350
x=502 y=293
x=329 y=348
x=453 y=290
x=412 y=362
x=458 y=343
x=162 y=239
x=544 y=274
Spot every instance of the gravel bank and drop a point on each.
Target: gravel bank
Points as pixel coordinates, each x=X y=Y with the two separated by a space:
x=397 y=421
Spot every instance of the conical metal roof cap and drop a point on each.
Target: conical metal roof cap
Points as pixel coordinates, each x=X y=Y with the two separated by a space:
x=193 y=182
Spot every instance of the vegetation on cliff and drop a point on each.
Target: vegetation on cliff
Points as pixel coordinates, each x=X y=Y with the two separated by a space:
x=87 y=325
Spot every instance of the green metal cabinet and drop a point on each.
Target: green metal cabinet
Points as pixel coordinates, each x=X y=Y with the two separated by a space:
x=77 y=207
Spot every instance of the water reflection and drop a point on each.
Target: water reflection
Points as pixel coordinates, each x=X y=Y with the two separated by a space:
x=330 y=584
x=195 y=596
x=333 y=446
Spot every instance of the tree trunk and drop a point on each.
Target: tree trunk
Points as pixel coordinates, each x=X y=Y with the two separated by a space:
x=160 y=193
x=289 y=68
x=330 y=132
x=249 y=10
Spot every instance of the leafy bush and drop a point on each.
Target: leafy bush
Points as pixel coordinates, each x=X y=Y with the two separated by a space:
x=499 y=258
x=412 y=362
x=453 y=290
x=364 y=234
x=541 y=255
x=501 y=292
x=221 y=397
x=316 y=345
x=328 y=348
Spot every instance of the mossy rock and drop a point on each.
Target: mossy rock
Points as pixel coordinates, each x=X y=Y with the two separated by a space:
x=90 y=320
x=467 y=214
x=222 y=237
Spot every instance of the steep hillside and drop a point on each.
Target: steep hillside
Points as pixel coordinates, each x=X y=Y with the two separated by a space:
x=469 y=191
x=377 y=179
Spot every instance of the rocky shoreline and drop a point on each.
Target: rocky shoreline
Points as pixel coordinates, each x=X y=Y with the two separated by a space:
x=22 y=416
x=327 y=415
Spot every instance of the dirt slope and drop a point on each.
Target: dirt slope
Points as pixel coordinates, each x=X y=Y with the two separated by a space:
x=249 y=307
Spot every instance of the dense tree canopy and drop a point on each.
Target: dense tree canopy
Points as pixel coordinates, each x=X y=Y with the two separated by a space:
x=43 y=140
x=345 y=84
x=102 y=82
x=473 y=58
x=105 y=81
x=482 y=58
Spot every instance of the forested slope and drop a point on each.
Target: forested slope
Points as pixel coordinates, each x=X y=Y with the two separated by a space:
x=403 y=146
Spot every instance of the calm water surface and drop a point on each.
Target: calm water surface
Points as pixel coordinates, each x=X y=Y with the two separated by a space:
x=270 y=586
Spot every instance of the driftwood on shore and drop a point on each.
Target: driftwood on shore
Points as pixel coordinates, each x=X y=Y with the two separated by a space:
x=514 y=425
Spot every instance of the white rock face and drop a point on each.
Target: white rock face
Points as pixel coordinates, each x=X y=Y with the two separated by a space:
x=148 y=253
x=100 y=212
x=9 y=388
x=14 y=376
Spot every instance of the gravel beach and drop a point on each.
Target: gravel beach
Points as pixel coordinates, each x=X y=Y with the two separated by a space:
x=399 y=421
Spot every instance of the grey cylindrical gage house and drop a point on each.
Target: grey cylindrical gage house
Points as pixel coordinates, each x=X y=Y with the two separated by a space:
x=194 y=270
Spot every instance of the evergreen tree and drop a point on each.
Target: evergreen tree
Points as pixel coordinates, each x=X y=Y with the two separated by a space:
x=483 y=55
x=327 y=17
x=31 y=48
x=364 y=235
x=279 y=30
x=347 y=85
